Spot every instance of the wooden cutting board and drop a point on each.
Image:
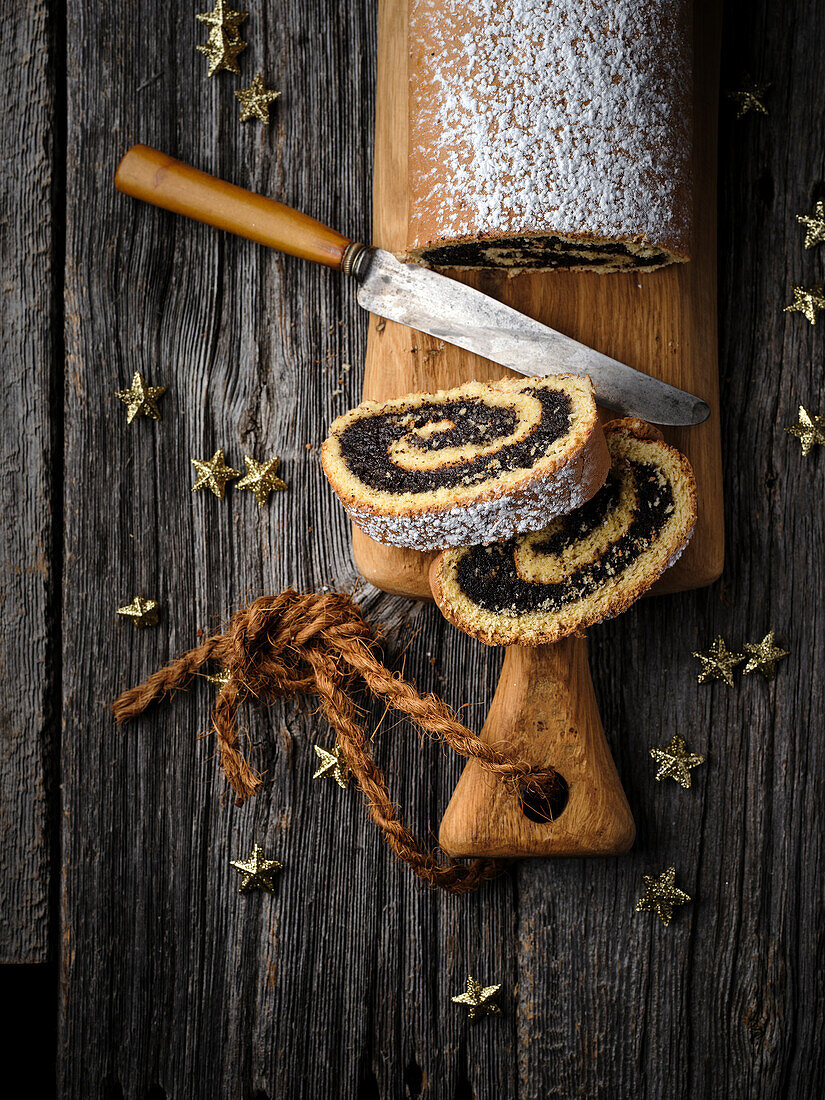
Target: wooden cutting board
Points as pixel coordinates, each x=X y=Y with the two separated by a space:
x=663 y=323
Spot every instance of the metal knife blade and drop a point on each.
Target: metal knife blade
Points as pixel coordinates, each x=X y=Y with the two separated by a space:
x=451 y=311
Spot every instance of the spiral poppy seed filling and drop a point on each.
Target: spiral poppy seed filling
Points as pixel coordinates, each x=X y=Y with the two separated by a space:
x=366 y=444
x=543 y=253
x=489 y=576
x=587 y=565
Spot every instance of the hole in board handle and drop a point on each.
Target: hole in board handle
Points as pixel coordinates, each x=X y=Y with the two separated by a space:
x=546 y=805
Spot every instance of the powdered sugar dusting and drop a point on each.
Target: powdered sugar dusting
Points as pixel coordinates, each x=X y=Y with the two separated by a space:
x=493 y=519
x=566 y=116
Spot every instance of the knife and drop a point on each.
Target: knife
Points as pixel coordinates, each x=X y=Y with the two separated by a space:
x=407 y=293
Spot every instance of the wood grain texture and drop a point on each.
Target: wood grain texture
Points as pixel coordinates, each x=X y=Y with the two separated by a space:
x=155 y=177
x=174 y=985
x=172 y=981
x=27 y=324
x=544 y=710
x=663 y=323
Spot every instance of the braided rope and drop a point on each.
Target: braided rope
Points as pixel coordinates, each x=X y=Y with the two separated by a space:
x=319 y=644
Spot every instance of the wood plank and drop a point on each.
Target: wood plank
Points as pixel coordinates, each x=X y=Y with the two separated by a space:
x=170 y=979
x=27 y=324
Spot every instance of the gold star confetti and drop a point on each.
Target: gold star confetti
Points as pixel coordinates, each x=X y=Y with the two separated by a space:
x=764 y=656
x=718 y=663
x=815 y=223
x=221 y=50
x=260 y=478
x=213 y=473
x=809 y=431
x=222 y=17
x=221 y=678
x=807 y=300
x=661 y=895
x=333 y=765
x=142 y=611
x=140 y=399
x=749 y=97
x=479 y=999
x=255 y=100
x=675 y=761
x=258 y=872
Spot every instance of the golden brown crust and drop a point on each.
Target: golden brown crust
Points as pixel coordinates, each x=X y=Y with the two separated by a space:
x=635 y=424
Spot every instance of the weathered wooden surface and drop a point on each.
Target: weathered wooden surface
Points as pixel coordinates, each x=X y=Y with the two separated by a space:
x=171 y=983
x=27 y=352
x=544 y=709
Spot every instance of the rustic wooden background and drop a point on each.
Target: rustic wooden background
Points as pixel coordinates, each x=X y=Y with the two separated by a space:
x=129 y=953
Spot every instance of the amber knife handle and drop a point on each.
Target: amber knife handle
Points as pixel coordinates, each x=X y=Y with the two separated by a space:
x=147 y=174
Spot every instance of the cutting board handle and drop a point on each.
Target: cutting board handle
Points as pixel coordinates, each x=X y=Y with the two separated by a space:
x=544 y=710
x=147 y=174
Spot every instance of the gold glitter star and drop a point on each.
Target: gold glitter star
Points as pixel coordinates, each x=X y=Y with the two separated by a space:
x=221 y=678
x=142 y=611
x=479 y=999
x=815 y=231
x=675 y=761
x=255 y=100
x=764 y=656
x=333 y=765
x=258 y=872
x=221 y=50
x=661 y=895
x=260 y=478
x=807 y=301
x=222 y=17
x=213 y=473
x=809 y=431
x=140 y=399
x=718 y=663
x=749 y=97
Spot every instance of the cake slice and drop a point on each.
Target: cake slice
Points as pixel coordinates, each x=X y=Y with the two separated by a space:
x=584 y=567
x=474 y=464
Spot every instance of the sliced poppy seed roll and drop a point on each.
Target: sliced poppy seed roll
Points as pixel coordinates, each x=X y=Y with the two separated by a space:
x=582 y=568
x=474 y=464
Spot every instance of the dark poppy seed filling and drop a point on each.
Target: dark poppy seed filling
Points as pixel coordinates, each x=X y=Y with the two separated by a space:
x=538 y=252
x=488 y=575
x=365 y=443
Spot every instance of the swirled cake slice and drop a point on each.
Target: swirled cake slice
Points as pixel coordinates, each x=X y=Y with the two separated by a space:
x=481 y=462
x=584 y=567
